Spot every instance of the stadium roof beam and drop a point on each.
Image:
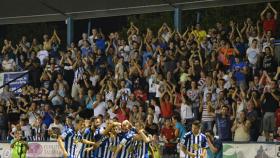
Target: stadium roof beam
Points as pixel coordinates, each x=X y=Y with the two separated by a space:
x=31 y=11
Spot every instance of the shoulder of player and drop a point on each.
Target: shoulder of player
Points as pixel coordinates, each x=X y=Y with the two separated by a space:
x=202 y=135
x=188 y=134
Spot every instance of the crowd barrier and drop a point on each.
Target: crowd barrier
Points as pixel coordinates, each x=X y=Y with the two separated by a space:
x=230 y=150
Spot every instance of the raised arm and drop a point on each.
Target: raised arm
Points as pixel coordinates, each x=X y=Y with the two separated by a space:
x=239 y=34
x=274 y=11
x=263 y=12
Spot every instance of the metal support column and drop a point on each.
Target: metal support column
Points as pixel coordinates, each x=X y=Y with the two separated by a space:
x=177 y=19
x=89 y=27
x=70 y=30
x=198 y=17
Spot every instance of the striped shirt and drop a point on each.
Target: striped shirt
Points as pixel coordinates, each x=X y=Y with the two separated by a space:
x=127 y=142
x=98 y=153
x=194 y=144
x=110 y=146
x=141 y=149
x=87 y=135
x=71 y=139
x=206 y=116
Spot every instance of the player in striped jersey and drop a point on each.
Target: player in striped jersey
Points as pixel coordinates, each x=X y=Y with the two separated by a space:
x=141 y=143
x=194 y=143
x=87 y=135
x=110 y=144
x=125 y=147
x=71 y=138
x=101 y=135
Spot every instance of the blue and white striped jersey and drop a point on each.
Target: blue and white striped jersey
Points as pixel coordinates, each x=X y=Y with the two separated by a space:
x=110 y=146
x=141 y=149
x=194 y=144
x=127 y=142
x=98 y=153
x=87 y=135
x=71 y=139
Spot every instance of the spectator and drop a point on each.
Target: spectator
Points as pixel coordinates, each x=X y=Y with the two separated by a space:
x=8 y=64
x=269 y=22
x=169 y=138
x=241 y=128
x=270 y=101
x=121 y=111
x=223 y=123
x=54 y=127
x=215 y=146
x=166 y=106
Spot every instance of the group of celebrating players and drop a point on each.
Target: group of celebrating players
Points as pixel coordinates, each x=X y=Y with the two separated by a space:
x=119 y=140
x=99 y=140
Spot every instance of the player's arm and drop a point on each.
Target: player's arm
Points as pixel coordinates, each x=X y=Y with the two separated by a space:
x=109 y=127
x=61 y=145
x=84 y=141
x=203 y=154
x=13 y=143
x=145 y=138
x=119 y=148
x=183 y=148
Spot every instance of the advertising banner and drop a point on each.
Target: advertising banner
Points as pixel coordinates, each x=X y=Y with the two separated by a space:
x=15 y=85
x=230 y=150
x=252 y=150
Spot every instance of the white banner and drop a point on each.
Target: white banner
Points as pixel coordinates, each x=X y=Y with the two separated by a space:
x=36 y=150
x=251 y=150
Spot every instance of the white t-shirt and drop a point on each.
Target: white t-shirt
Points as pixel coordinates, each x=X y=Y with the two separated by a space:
x=186 y=112
x=53 y=125
x=111 y=114
x=156 y=114
x=100 y=109
x=26 y=130
x=32 y=117
x=42 y=55
x=94 y=79
x=253 y=54
x=152 y=85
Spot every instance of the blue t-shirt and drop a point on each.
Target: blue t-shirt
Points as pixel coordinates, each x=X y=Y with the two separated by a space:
x=223 y=127
x=100 y=43
x=181 y=128
x=86 y=51
x=219 y=145
x=240 y=76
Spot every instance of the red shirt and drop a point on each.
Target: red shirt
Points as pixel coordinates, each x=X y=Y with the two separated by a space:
x=166 y=109
x=122 y=116
x=269 y=25
x=169 y=134
x=277 y=117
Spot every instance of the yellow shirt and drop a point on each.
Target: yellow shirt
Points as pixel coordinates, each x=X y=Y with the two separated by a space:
x=200 y=35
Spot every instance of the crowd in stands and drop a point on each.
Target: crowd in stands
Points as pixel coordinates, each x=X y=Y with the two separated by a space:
x=226 y=76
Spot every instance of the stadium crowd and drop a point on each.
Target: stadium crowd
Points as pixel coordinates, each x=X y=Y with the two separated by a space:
x=227 y=77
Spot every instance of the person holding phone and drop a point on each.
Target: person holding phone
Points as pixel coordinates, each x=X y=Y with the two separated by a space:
x=215 y=145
